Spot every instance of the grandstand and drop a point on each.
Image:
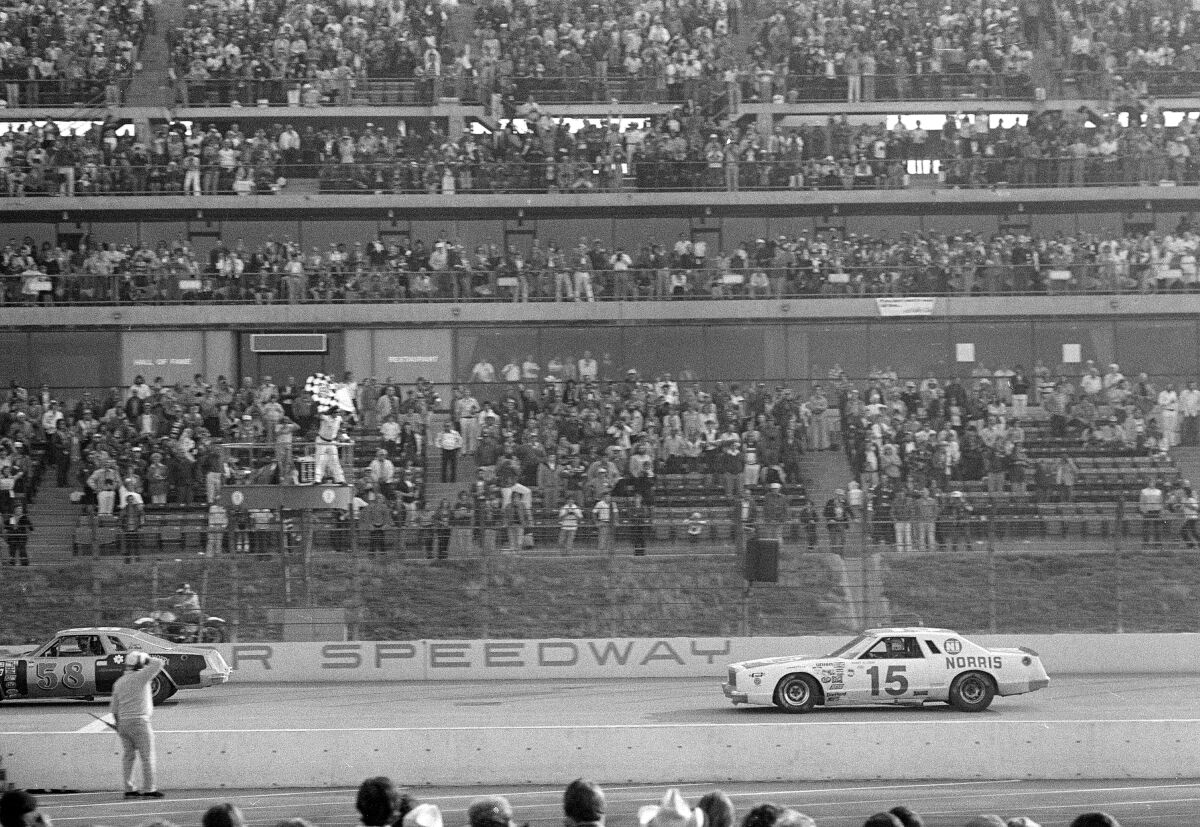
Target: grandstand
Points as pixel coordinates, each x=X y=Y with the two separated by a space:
x=716 y=207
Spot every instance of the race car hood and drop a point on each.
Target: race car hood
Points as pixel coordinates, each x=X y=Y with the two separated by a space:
x=755 y=664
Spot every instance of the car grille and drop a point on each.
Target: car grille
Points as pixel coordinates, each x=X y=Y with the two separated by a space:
x=732 y=677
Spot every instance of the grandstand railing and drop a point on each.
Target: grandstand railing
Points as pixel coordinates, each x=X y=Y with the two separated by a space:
x=304 y=92
x=63 y=93
x=387 y=286
x=606 y=88
x=892 y=87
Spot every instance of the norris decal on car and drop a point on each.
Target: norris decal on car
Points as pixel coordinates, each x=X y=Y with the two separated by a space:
x=961 y=662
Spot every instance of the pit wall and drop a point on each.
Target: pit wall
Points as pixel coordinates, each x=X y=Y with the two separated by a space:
x=740 y=751
x=650 y=658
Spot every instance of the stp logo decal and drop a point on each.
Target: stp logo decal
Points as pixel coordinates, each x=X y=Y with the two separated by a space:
x=953 y=646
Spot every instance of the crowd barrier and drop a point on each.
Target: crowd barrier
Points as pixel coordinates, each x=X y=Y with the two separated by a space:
x=681 y=657
x=916 y=748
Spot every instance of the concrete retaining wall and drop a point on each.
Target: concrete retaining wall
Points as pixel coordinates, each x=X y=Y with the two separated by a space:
x=648 y=657
x=653 y=754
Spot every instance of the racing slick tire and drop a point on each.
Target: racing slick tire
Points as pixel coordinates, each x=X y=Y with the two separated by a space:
x=161 y=688
x=797 y=693
x=972 y=692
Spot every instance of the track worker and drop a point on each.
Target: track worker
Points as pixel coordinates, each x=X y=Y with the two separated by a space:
x=131 y=708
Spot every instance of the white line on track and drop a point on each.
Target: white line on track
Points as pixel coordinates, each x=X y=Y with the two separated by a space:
x=875 y=724
x=102 y=725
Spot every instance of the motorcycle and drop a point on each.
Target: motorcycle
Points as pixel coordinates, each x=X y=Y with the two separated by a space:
x=202 y=628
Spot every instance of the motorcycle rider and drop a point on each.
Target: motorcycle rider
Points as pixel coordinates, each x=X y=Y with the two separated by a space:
x=186 y=604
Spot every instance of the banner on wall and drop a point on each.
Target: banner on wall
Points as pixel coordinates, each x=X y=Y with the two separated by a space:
x=406 y=355
x=905 y=306
x=175 y=355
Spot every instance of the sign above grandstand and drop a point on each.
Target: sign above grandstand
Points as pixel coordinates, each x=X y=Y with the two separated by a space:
x=905 y=306
x=289 y=343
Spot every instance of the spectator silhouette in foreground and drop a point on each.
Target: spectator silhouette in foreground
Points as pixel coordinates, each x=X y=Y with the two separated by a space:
x=19 y=808
x=583 y=804
x=223 y=815
x=1095 y=820
x=377 y=801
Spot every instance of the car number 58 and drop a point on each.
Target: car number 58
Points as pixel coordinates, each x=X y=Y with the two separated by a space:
x=48 y=679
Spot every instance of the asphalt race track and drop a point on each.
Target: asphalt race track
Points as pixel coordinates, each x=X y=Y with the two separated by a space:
x=1140 y=803
x=590 y=703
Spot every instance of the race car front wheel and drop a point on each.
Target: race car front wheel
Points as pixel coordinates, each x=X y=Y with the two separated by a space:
x=796 y=693
x=972 y=692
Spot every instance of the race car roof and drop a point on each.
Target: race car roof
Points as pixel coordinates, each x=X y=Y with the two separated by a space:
x=909 y=630
x=91 y=630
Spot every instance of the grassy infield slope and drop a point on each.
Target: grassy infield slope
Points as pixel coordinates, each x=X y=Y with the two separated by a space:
x=550 y=597
x=510 y=597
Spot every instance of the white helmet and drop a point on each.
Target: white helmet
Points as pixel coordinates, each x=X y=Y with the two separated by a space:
x=136 y=660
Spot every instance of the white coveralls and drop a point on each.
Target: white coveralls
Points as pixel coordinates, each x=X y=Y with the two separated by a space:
x=327 y=449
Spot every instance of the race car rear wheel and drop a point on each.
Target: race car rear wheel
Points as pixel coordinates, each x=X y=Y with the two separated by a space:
x=972 y=692
x=161 y=688
x=797 y=693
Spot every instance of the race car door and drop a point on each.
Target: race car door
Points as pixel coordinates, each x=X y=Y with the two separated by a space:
x=64 y=668
x=111 y=666
x=892 y=669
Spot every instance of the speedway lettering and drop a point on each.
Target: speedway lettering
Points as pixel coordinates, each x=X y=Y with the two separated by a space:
x=417 y=657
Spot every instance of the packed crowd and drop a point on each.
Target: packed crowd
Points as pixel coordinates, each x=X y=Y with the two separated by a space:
x=61 y=53
x=673 y=52
x=868 y=51
x=911 y=445
x=1134 y=39
x=681 y=151
x=380 y=803
x=313 y=51
x=823 y=263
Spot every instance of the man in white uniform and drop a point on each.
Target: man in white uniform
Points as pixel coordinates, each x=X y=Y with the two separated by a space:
x=327 y=449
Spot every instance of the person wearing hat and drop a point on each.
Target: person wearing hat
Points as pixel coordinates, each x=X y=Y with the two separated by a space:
x=19 y=808
x=673 y=811
x=132 y=707
x=423 y=815
x=492 y=811
x=774 y=513
x=957 y=517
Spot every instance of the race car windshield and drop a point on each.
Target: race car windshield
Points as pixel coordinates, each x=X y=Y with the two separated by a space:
x=846 y=647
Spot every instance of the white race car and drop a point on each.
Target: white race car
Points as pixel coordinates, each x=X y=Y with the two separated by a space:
x=899 y=667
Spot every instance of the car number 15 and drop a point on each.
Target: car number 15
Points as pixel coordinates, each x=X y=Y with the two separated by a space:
x=894 y=683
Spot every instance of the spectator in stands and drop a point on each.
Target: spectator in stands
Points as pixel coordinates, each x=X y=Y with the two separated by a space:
x=1151 y=508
